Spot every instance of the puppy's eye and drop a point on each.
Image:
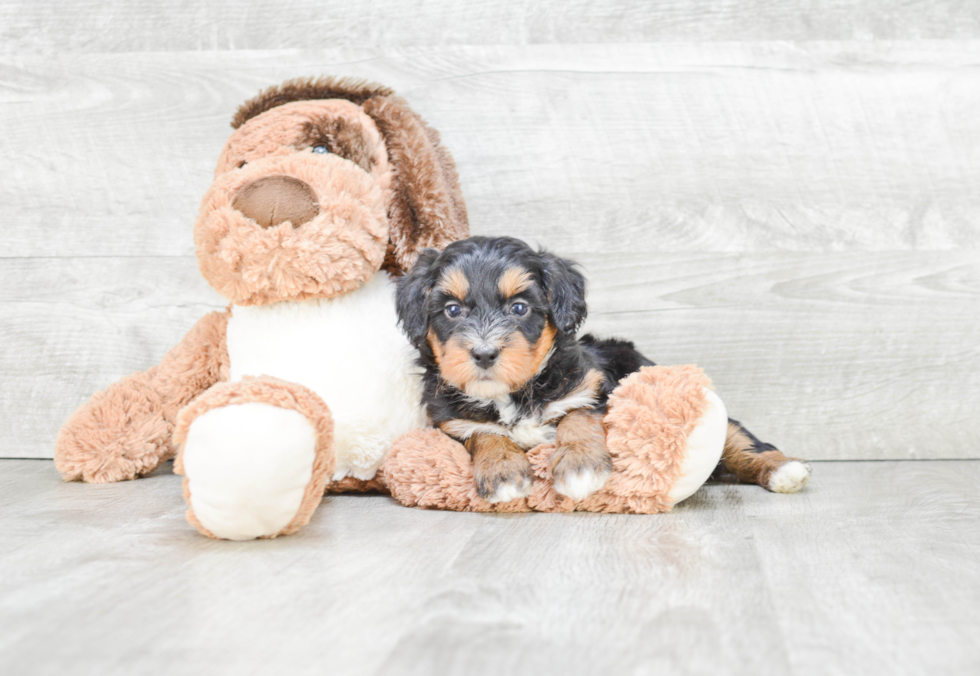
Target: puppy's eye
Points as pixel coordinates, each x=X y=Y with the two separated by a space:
x=453 y=311
x=519 y=309
x=321 y=149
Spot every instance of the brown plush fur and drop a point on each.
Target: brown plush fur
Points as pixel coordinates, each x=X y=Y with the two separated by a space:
x=308 y=89
x=650 y=416
x=427 y=208
x=295 y=127
x=274 y=392
x=126 y=431
x=350 y=484
x=333 y=254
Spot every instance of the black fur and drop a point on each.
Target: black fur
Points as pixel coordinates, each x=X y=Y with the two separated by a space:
x=556 y=296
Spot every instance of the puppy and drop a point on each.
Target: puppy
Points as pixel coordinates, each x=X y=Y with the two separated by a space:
x=495 y=324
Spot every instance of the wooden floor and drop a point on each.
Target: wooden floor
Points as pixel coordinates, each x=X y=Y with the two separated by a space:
x=873 y=569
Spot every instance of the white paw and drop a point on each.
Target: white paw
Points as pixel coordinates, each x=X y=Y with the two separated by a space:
x=789 y=477
x=580 y=485
x=248 y=466
x=510 y=490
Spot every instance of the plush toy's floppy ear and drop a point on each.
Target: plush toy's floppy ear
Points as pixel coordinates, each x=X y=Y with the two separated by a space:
x=566 y=292
x=412 y=294
x=427 y=207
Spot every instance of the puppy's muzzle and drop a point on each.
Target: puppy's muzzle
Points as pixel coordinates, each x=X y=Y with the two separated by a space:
x=273 y=200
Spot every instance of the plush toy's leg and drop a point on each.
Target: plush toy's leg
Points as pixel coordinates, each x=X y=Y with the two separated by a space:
x=754 y=461
x=256 y=455
x=120 y=433
x=704 y=447
x=126 y=430
x=426 y=468
x=665 y=430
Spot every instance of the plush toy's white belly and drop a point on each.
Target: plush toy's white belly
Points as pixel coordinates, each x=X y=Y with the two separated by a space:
x=349 y=351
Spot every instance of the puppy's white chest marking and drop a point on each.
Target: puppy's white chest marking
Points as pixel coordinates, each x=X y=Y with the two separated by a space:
x=531 y=430
x=526 y=432
x=349 y=351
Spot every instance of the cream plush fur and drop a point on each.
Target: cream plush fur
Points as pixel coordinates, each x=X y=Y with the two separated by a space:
x=366 y=369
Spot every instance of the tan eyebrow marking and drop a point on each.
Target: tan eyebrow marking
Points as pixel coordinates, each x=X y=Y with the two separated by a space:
x=513 y=281
x=454 y=283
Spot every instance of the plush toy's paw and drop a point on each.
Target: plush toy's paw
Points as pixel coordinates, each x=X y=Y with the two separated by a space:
x=257 y=455
x=705 y=442
x=118 y=434
x=505 y=480
x=790 y=477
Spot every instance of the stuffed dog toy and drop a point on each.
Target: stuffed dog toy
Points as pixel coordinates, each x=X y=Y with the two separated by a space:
x=305 y=378
x=326 y=191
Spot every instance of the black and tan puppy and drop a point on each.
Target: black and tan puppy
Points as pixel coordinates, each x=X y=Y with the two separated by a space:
x=495 y=324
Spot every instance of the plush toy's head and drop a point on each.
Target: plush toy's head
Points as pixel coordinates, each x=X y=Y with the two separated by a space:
x=323 y=183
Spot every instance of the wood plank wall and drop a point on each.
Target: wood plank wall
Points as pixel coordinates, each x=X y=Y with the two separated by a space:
x=787 y=193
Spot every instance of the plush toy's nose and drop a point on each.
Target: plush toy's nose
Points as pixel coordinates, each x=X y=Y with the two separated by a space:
x=272 y=200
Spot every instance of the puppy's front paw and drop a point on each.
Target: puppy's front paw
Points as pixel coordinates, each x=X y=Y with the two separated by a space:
x=580 y=475
x=504 y=480
x=578 y=485
x=581 y=463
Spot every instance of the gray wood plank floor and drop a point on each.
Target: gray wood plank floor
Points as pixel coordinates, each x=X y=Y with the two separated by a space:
x=872 y=569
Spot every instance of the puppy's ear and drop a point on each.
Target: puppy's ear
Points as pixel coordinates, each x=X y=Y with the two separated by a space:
x=566 y=292
x=412 y=294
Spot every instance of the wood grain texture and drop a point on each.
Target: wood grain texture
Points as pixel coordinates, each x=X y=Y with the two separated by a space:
x=179 y=25
x=872 y=569
x=842 y=146
x=827 y=355
x=71 y=326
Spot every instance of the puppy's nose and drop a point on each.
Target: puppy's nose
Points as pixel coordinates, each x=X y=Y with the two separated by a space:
x=272 y=200
x=485 y=356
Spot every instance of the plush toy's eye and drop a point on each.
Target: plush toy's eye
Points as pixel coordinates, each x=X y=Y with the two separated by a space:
x=242 y=164
x=519 y=309
x=453 y=311
x=321 y=149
